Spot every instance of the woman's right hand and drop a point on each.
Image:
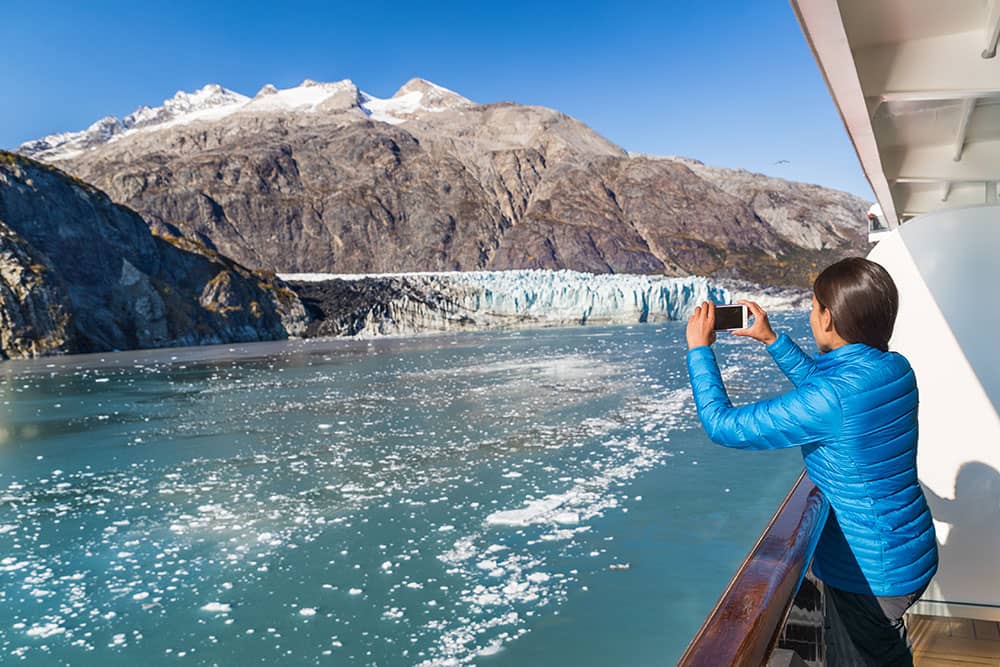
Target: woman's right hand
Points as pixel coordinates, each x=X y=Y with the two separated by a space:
x=760 y=329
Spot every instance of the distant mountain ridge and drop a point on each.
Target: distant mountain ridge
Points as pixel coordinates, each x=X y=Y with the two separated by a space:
x=323 y=177
x=213 y=102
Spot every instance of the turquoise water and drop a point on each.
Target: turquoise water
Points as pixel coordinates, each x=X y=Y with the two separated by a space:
x=516 y=498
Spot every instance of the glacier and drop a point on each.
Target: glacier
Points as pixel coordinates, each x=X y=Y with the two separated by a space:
x=411 y=303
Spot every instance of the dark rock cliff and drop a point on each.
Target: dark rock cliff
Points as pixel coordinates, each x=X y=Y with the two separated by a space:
x=79 y=273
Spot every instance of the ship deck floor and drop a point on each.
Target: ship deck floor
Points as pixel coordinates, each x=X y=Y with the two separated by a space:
x=953 y=642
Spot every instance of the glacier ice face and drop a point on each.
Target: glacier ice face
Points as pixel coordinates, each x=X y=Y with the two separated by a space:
x=527 y=298
x=577 y=298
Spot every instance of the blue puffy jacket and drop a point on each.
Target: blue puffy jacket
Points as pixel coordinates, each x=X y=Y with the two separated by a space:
x=854 y=413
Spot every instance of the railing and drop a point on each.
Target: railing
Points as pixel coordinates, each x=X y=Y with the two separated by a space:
x=746 y=623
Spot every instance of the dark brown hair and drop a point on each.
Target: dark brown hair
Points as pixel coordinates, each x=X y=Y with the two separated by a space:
x=862 y=298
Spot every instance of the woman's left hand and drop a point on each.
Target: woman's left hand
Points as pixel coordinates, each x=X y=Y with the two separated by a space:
x=701 y=326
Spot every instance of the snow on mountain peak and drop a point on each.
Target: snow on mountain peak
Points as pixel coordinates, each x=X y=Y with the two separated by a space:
x=433 y=95
x=212 y=102
x=267 y=89
x=185 y=107
x=107 y=127
x=209 y=102
x=307 y=96
x=415 y=97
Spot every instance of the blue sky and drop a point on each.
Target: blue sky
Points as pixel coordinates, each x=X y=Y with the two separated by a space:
x=729 y=83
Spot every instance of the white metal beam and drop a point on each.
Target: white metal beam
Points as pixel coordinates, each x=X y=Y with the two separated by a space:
x=922 y=200
x=980 y=162
x=936 y=95
x=992 y=30
x=933 y=181
x=968 y=105
x=943 y=63
x=823 y=27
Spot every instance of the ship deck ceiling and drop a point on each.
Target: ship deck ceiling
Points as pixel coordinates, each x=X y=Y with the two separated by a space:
x=917 y=83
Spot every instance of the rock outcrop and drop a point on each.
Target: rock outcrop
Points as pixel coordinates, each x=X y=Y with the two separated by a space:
x=324 y=178
x=79 y=273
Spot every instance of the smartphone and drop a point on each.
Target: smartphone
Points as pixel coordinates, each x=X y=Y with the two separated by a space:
x=733 y=316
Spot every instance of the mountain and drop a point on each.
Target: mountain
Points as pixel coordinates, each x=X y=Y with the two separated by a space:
x=79 y=273
x=324 y=177
x=213 y=102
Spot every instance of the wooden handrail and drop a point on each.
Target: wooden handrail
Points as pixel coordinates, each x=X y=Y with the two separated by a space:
x=746 y=622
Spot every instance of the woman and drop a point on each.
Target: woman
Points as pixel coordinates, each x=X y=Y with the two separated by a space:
x=854 y=414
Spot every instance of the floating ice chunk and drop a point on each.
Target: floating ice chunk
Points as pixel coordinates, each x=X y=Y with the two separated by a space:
x=492 y=648
x=529 y=514
x=355 y=591
x=562 y=534
x=538 y=577
x=217 y=608
x=463 y=549
x=307 y=611
x=487 y=599
x=514 y=588
x=45 y=630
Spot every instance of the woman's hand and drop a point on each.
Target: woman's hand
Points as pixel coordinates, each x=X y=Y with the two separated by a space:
x=761 y=329
x=701 y=326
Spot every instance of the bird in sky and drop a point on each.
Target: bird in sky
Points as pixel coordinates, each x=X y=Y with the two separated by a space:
x=782 y=162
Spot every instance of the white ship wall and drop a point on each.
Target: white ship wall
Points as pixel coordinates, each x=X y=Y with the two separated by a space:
x=946 y=267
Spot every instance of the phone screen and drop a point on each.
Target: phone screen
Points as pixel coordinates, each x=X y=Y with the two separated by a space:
x=728 y=317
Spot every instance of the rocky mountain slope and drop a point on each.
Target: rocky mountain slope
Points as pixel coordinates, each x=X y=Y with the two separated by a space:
x=79 y=273
x=327 y=178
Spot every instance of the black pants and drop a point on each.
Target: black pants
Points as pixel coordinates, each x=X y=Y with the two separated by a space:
x=866 y=631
